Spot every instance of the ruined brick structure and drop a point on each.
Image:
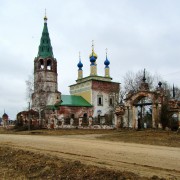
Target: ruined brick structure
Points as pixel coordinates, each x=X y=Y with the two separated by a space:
x=135 y=102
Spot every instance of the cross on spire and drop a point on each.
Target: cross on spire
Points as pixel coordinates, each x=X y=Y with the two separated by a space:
x=106 y=51
x=144 y=76
x=174 y=93
x=92 y=45
x=45 y=17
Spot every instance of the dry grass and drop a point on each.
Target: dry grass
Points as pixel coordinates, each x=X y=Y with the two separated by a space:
x=152 y=137
x=58 y=132
x=20 y=164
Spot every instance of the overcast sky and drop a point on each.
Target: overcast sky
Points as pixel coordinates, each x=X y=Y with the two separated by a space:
x=138 y=34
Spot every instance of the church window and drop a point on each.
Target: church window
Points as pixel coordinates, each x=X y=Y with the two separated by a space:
x=49 y=64
x=41 y=63
x=111 y=100
x=42 y=49
x=100 y=100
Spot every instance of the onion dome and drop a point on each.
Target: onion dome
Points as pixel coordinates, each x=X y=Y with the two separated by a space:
x=92 y=59
x=45 y=19
x=80 y=64
x=5 y=115
x=106 y=62
x=160 y=84
x=93 y=55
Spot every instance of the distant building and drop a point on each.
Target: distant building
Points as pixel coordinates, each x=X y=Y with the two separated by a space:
x=5 y=119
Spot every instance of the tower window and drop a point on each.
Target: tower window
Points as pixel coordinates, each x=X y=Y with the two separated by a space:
x=49 y=64
x=41 y=63
x=100 y=100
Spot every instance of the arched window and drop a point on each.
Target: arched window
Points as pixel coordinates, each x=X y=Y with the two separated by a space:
x=111 y=100
x=41 y=64
x=49 y=64
x=100 y=100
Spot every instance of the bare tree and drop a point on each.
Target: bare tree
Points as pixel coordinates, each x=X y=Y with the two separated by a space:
x=38 y=101
x=29 y=88
x=171 y=91
x=133 y=80
x=132 y=83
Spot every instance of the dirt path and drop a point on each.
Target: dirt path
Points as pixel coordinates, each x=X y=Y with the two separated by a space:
x=145 y=160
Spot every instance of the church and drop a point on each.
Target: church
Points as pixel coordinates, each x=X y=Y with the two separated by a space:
x=92 y=99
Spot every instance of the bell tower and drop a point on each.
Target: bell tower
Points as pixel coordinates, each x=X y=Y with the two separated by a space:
x=45 y=73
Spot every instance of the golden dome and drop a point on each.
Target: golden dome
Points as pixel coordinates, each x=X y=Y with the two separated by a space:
x=93 y=53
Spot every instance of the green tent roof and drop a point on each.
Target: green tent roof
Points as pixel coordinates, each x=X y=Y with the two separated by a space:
x=45 y=48
x=71 y=100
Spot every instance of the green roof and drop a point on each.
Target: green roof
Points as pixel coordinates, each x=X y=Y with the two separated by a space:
x=45 y=48
x=52 y=107
x=71 y=100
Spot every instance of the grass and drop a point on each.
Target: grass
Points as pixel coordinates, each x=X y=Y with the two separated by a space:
x=58 y=132
x=21 y=164
x=152 y=137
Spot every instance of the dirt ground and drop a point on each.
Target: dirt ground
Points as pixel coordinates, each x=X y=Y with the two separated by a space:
x=152 y=137
x=21 y=164
x=92 y=156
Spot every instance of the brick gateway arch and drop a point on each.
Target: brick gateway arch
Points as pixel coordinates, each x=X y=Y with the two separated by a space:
x=127 y=113
x=132 y=103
